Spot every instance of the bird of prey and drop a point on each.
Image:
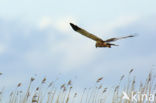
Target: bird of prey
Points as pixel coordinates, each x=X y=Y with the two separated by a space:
x=99 y=42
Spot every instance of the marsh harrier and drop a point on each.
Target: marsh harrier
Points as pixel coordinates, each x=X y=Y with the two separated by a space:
x=99 y=42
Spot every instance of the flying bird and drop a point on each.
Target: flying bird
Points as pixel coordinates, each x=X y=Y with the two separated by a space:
x=99 y=42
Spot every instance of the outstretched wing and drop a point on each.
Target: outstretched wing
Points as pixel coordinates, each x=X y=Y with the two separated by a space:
x=115 y=39
x=85 y=33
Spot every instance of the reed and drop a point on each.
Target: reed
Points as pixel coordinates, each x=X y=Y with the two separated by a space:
x=64 y=93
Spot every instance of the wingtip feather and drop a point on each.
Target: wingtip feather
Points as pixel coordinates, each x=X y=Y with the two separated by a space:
x=75 y=27
x=133 y=35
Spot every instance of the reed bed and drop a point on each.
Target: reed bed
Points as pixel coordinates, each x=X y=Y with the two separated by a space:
x=51 y=92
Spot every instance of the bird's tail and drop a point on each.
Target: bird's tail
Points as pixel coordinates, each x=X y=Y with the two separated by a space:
x=114 y=45
x=110 y=45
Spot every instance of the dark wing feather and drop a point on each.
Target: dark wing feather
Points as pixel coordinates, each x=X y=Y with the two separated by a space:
x=115 y=39
x=85 y=33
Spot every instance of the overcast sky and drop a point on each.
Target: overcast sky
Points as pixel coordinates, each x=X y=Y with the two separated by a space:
x=36 y=39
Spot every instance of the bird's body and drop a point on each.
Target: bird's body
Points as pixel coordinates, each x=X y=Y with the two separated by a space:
x=99 y=42
x=104 y=44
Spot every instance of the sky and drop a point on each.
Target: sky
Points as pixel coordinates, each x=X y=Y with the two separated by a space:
x=37 y=40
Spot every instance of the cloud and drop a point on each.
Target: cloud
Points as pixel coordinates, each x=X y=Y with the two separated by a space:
x=66 y=44
x=109 y=27
x=60 y=24
x=65 y=53
x=2 y=49
x=74 y=54
x=72 y=44
x=45 y=22
x=51 y=50
x=63 y=23
x=60 y=47
x=121 y=22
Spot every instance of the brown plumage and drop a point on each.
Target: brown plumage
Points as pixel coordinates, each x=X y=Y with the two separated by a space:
x=99 y=42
